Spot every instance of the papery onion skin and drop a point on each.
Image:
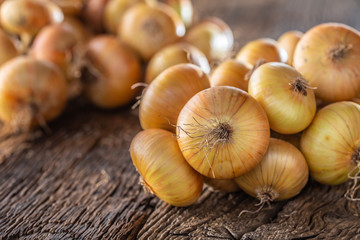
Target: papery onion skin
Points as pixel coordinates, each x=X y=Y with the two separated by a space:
x=288 y=42
x=231 y=73
x=265 y=49
x=185 y=10
x=175 y=54
x=31 y=91
x=328 y=56
x=157 y=157
x=116 y=69
x=281 y=174
x=223 y=185
x=167 y=94
x=147 y=28
x=331 y=141
x=57 y=44
x=223 y=132
x=288 y=109
x=213 y=37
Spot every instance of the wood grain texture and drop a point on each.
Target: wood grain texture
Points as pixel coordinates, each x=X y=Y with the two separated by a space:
x=78 y=182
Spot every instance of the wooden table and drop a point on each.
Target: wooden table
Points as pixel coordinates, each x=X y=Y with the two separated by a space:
x=78 y=182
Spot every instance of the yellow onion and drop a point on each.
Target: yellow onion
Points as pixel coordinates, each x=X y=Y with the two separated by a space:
x=224 y=185
x=331 y=144
x=7 y=48
x=223 y=132
x=356 y=100
x=175 y=54
x=185 y=10
x=93 y=14
x=167 y=94
x=281 y=174
x=78 y=28
x=288 y=42
x=231 y=73
x=27 y=17
x=115 y=10
x=111 y=69
x=328 y=56
x=164 y=171
x=58 y=44
x=148 y=28
x=32 y=92
x=265 y=49
x=285 y=95
x=70 y=7
x=213 y=37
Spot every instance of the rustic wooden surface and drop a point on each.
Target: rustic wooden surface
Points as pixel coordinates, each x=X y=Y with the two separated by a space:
x=78 y=182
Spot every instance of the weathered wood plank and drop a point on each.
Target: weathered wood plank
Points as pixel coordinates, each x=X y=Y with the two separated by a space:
x=78 y=182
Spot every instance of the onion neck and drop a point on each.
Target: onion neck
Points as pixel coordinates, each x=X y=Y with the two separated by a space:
x=339 y=51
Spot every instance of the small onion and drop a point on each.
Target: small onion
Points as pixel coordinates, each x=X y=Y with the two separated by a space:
x=111 y=69
x=281 y=174
x=70 y=7
x=331 y=144
x=32 y=92
x=185 y=10
x=93 y=13
x=175 y=54
x=148 y=28
x=164 y=171
x=285 y=95
x=223 y=185
x=115 y=10
x=167 y=94
x=223 y=132
x=213 y=37
x=58 y=44
x=328 y=56
x=231 y=73
x=27 y=17
x=78 y=28
x=265 y=49
x=288 y=42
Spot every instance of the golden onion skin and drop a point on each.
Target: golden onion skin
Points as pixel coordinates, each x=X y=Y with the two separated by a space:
x=223 y=132
x=213 y=37
x=157 y=157
x=175 y=54
x=288 y=42
x=185 y=10
x=231 y=73
x=331 y=141
x=117 y=69
x=167 y=94
x=282 y=173
x=265 y=49
x=31 y=89
x=148 y=28
x=289 y=111
x=7 y=48
x=328 y=57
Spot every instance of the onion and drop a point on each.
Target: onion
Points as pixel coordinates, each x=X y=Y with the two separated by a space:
x=223 y=132
x=147 y=28
x=7 y=48
x=167 y=94
x=111 y=69
x=93 y=13
x=231 y=73
x=164 y=171
x=32 y=92
x=213 y=37
x=281 y=174
x=175 y=54
x=223 y=185
x=185 y=10
x=265 y=49
x=285 y=95
x=288 y=42
x=327 y=56
x=331 y=144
